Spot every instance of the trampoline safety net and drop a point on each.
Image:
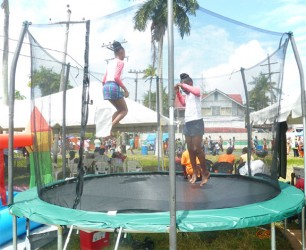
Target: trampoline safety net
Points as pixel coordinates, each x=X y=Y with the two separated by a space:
x=240 y=69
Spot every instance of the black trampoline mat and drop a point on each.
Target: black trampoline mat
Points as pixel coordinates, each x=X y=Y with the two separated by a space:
x=150 y=193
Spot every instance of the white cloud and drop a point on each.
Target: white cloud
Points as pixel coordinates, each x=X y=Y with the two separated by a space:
x=209 y=50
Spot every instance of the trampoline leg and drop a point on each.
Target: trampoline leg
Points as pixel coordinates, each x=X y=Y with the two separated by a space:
x=28 y=233
x=273 y=238
x=14 y=221
x=68 y=238
x=118 y=239
x=59 y=238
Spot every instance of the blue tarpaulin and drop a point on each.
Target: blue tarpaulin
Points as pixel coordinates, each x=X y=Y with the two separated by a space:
x=152 y=137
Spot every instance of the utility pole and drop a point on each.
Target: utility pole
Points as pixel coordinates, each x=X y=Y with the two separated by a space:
x=136 y=79
x=64 y=79
x=63 y=75
x=67 y=23
x=269 y=76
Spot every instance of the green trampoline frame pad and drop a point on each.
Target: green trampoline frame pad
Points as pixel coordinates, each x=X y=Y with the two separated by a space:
x=288 y=203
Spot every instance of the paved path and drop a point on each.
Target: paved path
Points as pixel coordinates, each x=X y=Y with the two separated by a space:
x=294 y=236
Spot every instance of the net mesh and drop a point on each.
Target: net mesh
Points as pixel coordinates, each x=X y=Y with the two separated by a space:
x=238 y=67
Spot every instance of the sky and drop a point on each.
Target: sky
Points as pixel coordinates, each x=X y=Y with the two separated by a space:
x=274 y=15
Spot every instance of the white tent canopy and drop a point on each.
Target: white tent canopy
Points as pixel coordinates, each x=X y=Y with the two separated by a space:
x=289 y=110
x=139 y=117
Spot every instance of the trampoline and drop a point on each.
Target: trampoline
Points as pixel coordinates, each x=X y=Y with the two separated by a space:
x=145 y=202
x=140 y=203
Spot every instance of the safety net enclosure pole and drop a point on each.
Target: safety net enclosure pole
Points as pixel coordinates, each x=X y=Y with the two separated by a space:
x=303 y=103
x=11 y=128
x=172 y=192
x=11 y=111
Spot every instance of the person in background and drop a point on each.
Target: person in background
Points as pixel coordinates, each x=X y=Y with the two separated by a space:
x=178 y=145
x=301 y=147
x=234 y=142
x=244 y=156
x=112 y=84
x=97 y=143
x=289 y=145
x=210 y=144
x=294 y=147
x=178 y=164
x=194 y=125
x=228 y=157
x=257 y=166
x=230 y=143
x=86 y=145
x=187 y=166
x=205 y=144
x=221 y=143
x=255 y=142
x=131 y=143
x=264 y=144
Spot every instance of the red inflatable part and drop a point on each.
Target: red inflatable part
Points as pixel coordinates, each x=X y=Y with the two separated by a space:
x=20 y=140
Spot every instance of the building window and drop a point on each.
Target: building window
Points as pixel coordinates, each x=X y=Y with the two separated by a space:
x=215 y=110
x=226 y=111
x=235 y=109
x=206 y=112
x=216 y=96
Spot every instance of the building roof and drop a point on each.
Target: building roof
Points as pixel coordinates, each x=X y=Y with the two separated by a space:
x=235 y=97
x=224 y=130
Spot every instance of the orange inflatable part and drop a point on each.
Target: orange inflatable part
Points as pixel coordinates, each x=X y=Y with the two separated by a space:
x=20 y=140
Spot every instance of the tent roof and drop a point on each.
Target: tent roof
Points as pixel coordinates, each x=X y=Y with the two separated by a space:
x=139 y=117
x=289 y=110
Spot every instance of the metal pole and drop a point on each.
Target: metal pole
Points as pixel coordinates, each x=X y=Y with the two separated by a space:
x=172 y=175
x=247 y=119
x=157 y=139
x=64 y=163
x=118 y=238
x=11 y=128
x=59 y=238
x=273 y=238
x=136 y=80
x=303 y=227
x=136 y=83
x=302 y=85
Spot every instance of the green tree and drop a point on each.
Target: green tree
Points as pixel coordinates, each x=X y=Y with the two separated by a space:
x=19 y=96
x=149 y=74
x=46 y=80
x=263 y=93
x=155 y=11
x=154 y=102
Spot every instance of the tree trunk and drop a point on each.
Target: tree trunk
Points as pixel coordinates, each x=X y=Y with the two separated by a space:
x=150 y=87
x=160 y=95
x=5 y=6
x=160 y=73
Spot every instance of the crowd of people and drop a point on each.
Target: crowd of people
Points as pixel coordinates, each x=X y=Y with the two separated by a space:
x=296 y=145
x=214 y=147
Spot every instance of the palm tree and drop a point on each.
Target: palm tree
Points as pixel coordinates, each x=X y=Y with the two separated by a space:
x=264 y=92
x=156 y=12
x=150 y=72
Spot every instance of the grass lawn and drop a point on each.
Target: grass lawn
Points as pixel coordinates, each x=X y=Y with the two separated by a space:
x=247 y=238
x=240 y=239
